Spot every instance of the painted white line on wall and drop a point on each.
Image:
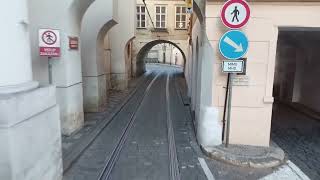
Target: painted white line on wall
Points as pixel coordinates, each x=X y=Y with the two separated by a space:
x=206 y=169
x=287 y=172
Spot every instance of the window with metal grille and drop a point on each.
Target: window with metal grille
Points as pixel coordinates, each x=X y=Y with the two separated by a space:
x=141 y=16
x=161 y=16
x=181 y=17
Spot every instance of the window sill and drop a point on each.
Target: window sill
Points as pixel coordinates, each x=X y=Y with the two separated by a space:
x=181 y=29
x=160 y=30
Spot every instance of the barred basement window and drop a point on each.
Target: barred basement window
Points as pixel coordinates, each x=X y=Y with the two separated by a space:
x=161 y=16
x=181 y=17
x=141 y=17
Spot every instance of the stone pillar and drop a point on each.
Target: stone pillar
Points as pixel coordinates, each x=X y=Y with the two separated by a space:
x=29 y=117
x=15 y=68
x=99 y=18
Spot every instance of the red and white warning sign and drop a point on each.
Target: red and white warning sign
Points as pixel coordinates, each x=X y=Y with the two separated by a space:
x=235 y=14
x=49 y=43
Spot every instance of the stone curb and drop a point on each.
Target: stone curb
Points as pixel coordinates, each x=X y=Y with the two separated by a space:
x=247 y=156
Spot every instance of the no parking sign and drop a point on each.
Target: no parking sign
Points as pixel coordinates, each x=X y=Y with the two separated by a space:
x=49 y=43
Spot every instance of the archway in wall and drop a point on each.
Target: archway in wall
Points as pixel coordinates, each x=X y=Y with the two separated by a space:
x=296 y=110
x=94 y=20
x=143 y=52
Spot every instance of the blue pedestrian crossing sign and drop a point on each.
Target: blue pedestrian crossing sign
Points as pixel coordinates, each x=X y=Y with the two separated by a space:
x=233 y=44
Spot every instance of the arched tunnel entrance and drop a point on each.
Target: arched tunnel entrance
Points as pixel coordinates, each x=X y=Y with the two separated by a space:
x=162 y=56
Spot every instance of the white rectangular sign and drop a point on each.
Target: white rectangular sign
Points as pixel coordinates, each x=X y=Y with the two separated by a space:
x=232 y=66
x=49 y=42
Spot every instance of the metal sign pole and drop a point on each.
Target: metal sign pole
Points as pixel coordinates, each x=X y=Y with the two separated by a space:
x=225 y=108
x=229 y=110
x=50 y=69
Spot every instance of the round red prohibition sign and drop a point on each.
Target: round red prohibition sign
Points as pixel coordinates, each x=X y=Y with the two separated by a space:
x=49 y=37
x=235 y=14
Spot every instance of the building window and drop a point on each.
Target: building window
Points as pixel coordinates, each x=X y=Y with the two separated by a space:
x=141 y=17
x=161 y=16
x=181 y=17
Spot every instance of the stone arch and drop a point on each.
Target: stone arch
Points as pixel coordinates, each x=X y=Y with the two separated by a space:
x=147 y=47
x=123 y=32
x=67 y=70
x=78 y=9
x=198 y=8
x=98 y=19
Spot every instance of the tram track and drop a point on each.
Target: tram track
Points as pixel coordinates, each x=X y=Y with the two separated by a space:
x=139 y=141
x=173 y=159
x=173 y=165
x=71 y=156
x=106 y=172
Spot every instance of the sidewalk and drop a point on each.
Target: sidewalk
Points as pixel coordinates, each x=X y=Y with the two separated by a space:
x=220 y=170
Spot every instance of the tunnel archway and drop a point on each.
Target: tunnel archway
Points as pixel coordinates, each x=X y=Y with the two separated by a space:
x=147 y=47
x=296 y=107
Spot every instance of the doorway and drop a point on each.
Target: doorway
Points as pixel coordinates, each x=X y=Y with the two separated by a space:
x=296 y=111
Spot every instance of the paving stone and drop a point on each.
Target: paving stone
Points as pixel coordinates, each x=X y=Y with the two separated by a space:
x=299 y=136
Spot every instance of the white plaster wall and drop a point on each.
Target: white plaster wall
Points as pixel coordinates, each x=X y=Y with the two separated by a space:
x=71 y=108
x=188 y=69
x=49 y=14
x=30 y=135
x=64 y=16
x=100 y=17
x=194 y=67
x=120 y=35
x=252 y=105
x=16 y=62
x=107 y=57
x=25 y=112
x=195 y=63
x=199 y=70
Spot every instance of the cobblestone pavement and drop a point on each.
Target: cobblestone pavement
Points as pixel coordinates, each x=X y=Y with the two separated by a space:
x=299 y=136
x=145 y=152
x=91 y=162
x=92 y=119
x=145 y=155
x=220 y=170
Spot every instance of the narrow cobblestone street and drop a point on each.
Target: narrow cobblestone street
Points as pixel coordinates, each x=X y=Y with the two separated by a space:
x=144 y=153
x=134 y=142
x=298 y=135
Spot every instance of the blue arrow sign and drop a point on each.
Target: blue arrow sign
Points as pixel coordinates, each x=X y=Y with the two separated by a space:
x=233 y=44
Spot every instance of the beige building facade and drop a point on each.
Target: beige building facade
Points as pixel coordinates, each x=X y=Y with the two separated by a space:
x=167 y=24
x=165 y=54
x=278 y=32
